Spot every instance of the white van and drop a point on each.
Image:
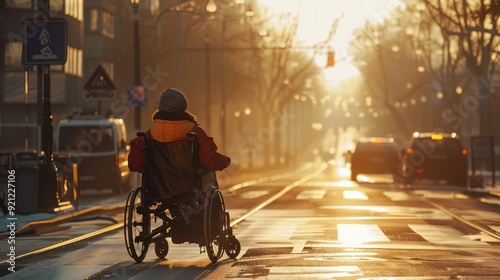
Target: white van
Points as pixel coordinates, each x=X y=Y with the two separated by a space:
x=99 y=147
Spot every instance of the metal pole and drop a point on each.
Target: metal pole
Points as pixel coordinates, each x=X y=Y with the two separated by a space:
x=39 y=103
x=223 y=90
x=137 y=75
x=45 y=113
x=47 y=116
x=26 y=93
x=207 y=47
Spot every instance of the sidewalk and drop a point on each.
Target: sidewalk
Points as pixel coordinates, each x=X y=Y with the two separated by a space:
x=483 y=185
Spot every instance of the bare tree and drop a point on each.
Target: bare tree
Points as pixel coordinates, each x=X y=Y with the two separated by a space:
x=410 y=54
x=384 y=56
x=255 y=61
x=473 y=24
x=283 y=68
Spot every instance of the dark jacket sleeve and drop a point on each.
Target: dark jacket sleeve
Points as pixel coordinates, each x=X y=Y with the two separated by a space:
x=137 y=156
x=209 y=157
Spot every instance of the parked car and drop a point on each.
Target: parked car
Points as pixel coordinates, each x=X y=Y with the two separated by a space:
x=436 y=156
x=375 y=155
x=99 y=146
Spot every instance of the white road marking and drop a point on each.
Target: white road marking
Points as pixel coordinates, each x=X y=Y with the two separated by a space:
x=443 y=235
x=398 y=196
x=315 y=272
x=355 y=195
x=358 y=234
x=311 y=194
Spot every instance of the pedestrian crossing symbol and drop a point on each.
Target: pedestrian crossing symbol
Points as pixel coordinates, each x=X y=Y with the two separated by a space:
x=99 y=86
x=45 y=42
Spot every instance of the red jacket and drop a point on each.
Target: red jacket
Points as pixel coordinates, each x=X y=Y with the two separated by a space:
x=175 y=130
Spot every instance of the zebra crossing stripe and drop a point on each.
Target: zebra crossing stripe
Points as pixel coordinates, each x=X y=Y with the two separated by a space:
x=359 y=233
x=443 y=235
x=311 y=194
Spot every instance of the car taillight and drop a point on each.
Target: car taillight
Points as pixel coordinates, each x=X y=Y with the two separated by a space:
x=464 y=152
x=410 y=151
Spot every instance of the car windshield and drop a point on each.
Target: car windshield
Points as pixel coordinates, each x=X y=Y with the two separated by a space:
x=86 y=139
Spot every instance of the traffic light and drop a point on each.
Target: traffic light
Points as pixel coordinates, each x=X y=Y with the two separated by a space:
x=330 y=59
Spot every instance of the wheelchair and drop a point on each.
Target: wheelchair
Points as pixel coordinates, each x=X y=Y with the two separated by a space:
x=186 y=200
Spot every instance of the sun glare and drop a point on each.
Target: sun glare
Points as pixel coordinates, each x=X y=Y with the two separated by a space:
x=342 y=71
x=316 y=18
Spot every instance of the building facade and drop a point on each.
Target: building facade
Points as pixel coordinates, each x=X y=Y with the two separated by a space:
x=98 y=33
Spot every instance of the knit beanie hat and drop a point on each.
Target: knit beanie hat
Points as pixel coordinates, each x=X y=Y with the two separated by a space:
x=172 y=100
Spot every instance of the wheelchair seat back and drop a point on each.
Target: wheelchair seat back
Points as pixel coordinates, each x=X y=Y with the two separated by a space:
x=171 y=169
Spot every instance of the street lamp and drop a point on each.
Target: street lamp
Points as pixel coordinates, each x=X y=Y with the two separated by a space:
x=137 y=75
x=210 y=8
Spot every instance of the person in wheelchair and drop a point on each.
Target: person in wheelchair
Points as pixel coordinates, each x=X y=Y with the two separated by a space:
x=172 y=122
x=178 y=161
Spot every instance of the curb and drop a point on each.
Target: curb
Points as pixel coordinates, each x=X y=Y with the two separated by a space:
x=37 y=226
x=477 y=193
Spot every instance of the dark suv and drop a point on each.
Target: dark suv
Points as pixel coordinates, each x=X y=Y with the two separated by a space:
x=436 y=156
x=375 y=155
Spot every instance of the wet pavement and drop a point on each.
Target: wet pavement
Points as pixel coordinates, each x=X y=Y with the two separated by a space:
x=29 y=223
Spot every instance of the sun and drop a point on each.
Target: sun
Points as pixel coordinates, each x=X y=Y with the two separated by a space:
x=342 y=71
x=315 y=21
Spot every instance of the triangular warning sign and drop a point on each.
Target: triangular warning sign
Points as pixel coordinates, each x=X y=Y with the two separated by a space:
x=99 y=80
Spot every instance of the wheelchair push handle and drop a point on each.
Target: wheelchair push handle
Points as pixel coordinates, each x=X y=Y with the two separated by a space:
x=192 y=134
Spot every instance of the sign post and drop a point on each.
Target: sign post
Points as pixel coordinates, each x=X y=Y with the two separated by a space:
x=482 y=151
x=45 y=43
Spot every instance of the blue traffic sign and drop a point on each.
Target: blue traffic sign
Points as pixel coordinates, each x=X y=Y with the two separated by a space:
x=45 y=42
x=482 y=147
x=137 y=96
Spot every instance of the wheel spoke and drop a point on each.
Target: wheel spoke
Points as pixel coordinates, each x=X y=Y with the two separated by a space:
x=215 y=225
x=136 y=226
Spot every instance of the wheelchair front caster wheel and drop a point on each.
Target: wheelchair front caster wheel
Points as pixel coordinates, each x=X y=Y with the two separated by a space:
x=233 y=247
x=161 y=248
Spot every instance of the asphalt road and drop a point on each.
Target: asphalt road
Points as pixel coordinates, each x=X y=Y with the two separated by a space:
x=322 y=227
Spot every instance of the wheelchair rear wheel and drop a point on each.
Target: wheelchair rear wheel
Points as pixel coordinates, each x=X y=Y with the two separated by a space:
x=214 y=221
x=136 y=226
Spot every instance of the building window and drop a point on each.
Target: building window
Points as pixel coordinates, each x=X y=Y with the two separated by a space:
x=108 y=24
x=18 y=4
x=94 y=20
x=110 y=69
x=103 y=22
x=74 y=8
x=13 y=52
x=74 y=62
x=154 y=7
